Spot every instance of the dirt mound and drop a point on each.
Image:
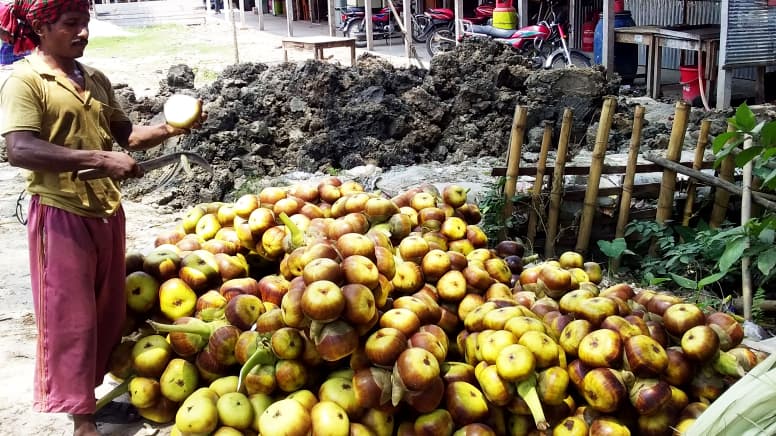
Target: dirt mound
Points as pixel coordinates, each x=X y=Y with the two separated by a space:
x=317 y=116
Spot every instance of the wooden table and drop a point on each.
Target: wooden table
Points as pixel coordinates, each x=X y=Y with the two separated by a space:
x=641 y=35
x=317 y=44
x=701 y=39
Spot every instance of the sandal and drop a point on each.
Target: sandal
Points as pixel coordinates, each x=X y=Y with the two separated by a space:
x=117 y=412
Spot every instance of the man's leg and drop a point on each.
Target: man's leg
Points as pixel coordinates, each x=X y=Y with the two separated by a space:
x=73 y=342
x=62 y=271
x=109 y=287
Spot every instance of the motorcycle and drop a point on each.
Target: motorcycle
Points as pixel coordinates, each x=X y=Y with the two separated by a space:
x=384 y=24
x=424 y=24
x=544 y=42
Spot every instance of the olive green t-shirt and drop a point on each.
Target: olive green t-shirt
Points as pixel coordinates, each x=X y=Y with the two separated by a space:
x=34 y=99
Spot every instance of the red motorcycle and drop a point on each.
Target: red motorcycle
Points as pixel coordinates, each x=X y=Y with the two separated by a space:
x=384 y=24
x=544 y=42
x=423 y=25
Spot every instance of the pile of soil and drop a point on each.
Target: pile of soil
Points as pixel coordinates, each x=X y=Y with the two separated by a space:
x=317 y=117
x=320 y=117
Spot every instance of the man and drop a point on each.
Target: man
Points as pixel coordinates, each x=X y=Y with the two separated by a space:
x=7 y=56
x=59 y=117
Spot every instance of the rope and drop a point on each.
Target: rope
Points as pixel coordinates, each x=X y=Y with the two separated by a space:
x=19 y=214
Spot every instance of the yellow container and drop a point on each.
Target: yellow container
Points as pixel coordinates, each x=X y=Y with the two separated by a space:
x=505 y=18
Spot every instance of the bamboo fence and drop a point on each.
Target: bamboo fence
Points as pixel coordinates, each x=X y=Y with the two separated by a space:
x=667 y=162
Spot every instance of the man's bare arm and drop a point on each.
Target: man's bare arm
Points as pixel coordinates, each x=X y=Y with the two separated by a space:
x=137 y=138
x=26 y=150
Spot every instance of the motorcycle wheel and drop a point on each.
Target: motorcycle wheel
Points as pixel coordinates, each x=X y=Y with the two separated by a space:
x=353 y=28
x=440 y=40
x=420 y=24
x=577 y=59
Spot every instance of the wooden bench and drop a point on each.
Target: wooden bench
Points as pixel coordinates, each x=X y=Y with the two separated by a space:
x=317 y=44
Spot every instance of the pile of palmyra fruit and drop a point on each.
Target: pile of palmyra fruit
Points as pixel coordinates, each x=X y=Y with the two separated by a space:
x=319 y=308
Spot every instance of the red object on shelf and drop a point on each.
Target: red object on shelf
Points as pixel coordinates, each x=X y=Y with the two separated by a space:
x=619 y=6
x=588 y=35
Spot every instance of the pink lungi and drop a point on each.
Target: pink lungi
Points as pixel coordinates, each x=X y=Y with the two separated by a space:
x=78 y=272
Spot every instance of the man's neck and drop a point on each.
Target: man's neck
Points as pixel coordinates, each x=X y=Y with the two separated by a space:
x=58 y=63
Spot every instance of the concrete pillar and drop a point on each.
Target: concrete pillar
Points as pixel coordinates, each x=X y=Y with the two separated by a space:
x=290 y=16
x=370 y=45
x=458 y=9
x=724 y=77
x=260 y=6
x=407 y=13
x=607 y=52
x=332 y=21
x=522 y=13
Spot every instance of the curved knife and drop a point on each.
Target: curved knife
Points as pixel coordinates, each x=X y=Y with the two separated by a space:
x=155 y=163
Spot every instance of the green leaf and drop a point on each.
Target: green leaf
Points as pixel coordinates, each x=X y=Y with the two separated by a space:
x=711 y=279
x=770 y=180
x=767 y=236
x=745 y=119
x=614 y=248
x=733 y=252
x=768 y=134
x=746 y=155
x=766 y=261
x=726 y=150
x=685 y=233
x=658 y=280
x=684 y=281
x=769 y=152
x=722 y=139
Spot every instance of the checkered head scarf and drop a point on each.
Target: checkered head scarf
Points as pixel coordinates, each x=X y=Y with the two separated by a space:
x=18 y=18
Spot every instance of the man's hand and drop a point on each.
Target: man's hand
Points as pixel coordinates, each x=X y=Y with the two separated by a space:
x=119 y=166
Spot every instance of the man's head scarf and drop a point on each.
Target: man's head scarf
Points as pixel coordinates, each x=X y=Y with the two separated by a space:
x=17 y=19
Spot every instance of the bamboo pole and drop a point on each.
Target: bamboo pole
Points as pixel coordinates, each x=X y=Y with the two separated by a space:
x=721 y=198
x=513 y=157
x=665 y=200
x=761 y=198
x=764 y=305
x=630 y=172
x=536 y=202
x=746 y=213
x=700 y=148
x=557 y=184
x=596 y=168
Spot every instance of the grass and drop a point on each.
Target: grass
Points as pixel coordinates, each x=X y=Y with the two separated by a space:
x=160 y=40
x=157 y=47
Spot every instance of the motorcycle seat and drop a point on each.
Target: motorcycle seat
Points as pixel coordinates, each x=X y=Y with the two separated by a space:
x=495 y=32
x=441 y=12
